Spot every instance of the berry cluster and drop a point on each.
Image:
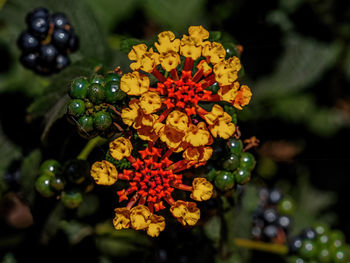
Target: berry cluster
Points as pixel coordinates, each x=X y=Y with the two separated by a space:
x=319 y=244
x=67 y=182
x=92 y=107
x=236 y=167
x=271 y=219
x=47 y=42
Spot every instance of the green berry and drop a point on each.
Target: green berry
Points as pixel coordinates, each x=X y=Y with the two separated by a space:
x=76 y=108
x=339 y=255
x=57 y=182
x=113 y=92
x=224 y=181
x=86 y=123
x=96 y=93
x=232 y=163
x=79 y=88
x=42 y=185
x=71 y=199
x=308 y=249
x=321 y=228
x=76 y=170
x=324 y=255
x=286 y=206
x=97 y=79
x=295 y=259
x=50 y=167
x=235 y=146
x=211 y=175
x=102 y=120
x=112 y=77
x=323 y=240
x=337 y=235
x=242 y=175
x=247 y=161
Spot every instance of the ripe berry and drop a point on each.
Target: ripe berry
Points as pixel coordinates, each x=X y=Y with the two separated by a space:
x=76 y=170
x=42 y=185
x=309 y=233
x=37 y=12
x=270 y=215
x=29 y=60
x=275 y=196
x=264 y=194
x=50 y=167
x=62 y=62
x=113 y=92
x=79 y=88
x=60 y=38
x=27 y=42
x=86 y=123
x=59 y=20
x=295 y=244
x=71 y=199
x=39 y=26
x=235 y=146
x=242 y=175
x=256 y=232
x=48 y=54
x=76 y=108
x=232 y=163
x=102 y=120
x=295 y=259
x=57 y=182
x=74 y=43
x=224 y=181
x=270 y=231
x=284 y=221
x=96 y=93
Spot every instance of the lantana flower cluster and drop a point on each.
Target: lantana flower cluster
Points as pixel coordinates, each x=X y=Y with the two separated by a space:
x=172 y=117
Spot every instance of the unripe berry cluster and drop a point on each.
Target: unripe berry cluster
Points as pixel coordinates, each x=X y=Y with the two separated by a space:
x=319 y=244
x=235 y=167
x=67 y=182
x=47 y=42
x=271 y=219
x=92 y=103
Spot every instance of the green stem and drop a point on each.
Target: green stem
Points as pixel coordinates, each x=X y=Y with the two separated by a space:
x=83 y=155
x=258 y=245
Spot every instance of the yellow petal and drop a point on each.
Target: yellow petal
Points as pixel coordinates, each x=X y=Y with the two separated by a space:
x=145 y=60
x=134 y=83
x=150 y=102
x=224 y=127
x=226 y=71
x=178 y=120
x=167 y=42
x=189 y=49
x=122 y=218
x=229 y=93
x=202 y=189
x=213 y=115
x=169 y=60
x=198 y=135
x=198 y=33
x=186 y=213
x=120 y=148
x=139 y=216
x=214 y=50
x=130 y=114
x=243 y=97
x=193 y=214
x=104 y=173
x=156 y=225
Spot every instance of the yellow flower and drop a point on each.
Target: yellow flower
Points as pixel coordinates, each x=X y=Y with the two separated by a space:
x=134 y=83
x=169 y=60
x=226 y=71
x=197 y=154
x=120 y=148
x=167 y=42
x=214 y=50
x=198 y=135
x=186 y=213
x=189 y=49
x=145 y=60
x=243 y=97
x=228 y=93
x=122 y=218
x=130 y=114
x=220 y=123
x=178 y=120
x=150 y=102
x=203 y=65
x=202 y=189
x=139 y=216
x=156 y=225
x=104 y=173
x=198 y=33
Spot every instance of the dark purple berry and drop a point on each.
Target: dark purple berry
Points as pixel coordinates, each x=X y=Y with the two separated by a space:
x=73 y=43
x=59 y=20
x=27 y=42
x=29 y=60
x=264 y=195
x=309 y=233
x=270 y=231
x=62 y=62
x=39 y=27
x=270 y=215
x=37 y=12
x=48 y=54
x=295 y=244
x=60 y=38
x=275 y=196
x=256 y=232
x=284 y=221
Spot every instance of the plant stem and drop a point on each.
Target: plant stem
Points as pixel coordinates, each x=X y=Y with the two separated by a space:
x=83 y=155
x=258 y=245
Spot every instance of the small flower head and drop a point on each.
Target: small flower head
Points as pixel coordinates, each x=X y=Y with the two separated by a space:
x=139 y=217
x=243 y=97
x=104 y=173
x=202 y=189
x=134 y=83
x=120 y=148
x=122 y=218
x=145 y=60
x=156 y=225
x=187 y=213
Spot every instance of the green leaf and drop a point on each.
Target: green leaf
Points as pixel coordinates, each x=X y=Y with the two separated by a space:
x=178 y=15
x=75 y=230
x=126 y=44
x=119 y=164
x=29 y=172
